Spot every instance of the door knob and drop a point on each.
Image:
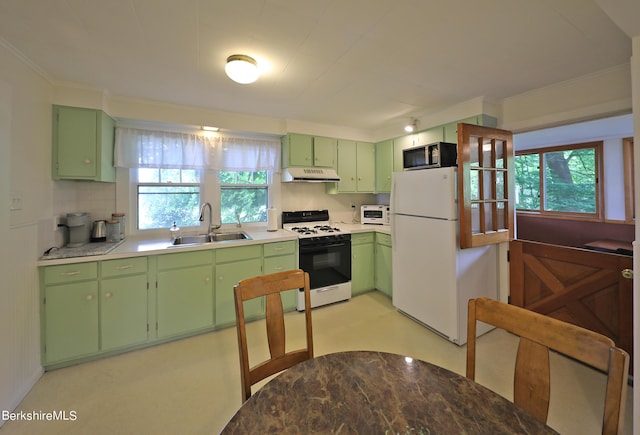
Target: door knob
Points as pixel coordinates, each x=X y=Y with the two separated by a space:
x=627 y=273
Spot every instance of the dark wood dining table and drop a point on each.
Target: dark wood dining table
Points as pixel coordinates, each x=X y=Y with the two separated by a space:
x=366 y=392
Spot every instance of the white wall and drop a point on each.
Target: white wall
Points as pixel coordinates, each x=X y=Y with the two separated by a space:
x=25 y=144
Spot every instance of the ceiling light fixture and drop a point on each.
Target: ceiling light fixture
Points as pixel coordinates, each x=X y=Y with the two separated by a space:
x=242 y=69
x=410 y=128
x=209 y=128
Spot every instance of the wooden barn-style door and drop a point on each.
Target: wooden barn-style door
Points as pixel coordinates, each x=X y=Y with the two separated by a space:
x=587 y=288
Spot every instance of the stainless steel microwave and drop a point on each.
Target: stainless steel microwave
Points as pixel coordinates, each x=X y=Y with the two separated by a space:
x=434 y=155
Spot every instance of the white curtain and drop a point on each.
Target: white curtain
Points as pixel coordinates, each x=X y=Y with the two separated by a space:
x=138 y=148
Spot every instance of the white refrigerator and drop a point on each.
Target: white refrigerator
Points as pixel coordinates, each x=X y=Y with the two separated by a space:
x=433 y=279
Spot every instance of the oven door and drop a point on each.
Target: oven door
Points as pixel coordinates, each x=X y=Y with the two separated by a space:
x=328 y=262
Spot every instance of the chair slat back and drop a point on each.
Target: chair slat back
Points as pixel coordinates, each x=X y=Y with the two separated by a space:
x=539 y=334
x=271 y=286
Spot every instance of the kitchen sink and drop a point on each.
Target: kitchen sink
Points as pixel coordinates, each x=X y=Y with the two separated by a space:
x=225 y=237
x=208 y=238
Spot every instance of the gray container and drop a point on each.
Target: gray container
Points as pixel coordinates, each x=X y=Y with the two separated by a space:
x=79 y=229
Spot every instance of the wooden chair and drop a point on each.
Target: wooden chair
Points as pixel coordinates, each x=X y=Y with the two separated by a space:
x=270 y=286
x=539 y=333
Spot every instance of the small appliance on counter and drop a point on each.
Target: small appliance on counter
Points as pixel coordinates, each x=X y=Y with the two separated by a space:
x=79 y=229
x=99 y=231
x=375 y=214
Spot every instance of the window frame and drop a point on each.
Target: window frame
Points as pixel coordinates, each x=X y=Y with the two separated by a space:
x=599 y=215
x=220 y=186
x=136 y=192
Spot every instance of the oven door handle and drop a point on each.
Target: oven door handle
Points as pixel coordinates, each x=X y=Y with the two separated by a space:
x=315 y=247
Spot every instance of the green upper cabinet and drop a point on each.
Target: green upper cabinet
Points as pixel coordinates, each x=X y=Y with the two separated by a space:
x=451 y=129
x=347 y=165
x=325 y=151
x=384 y=166
x=82 y=144
x=305 y=150
x=366 y=167
x=356 y=167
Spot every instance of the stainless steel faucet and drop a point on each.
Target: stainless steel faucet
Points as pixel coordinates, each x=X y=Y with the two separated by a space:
x=239 y=225
x=206 y=204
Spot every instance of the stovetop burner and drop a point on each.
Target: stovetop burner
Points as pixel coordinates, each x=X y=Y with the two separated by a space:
x=316 y=229
x=311 y=224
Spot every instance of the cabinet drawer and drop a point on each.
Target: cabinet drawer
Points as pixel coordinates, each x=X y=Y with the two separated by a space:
x=383 y=239
x=240 y=253
x=279 y=263
x=279 y=248
x=184 y=259
x=358 y=238
x=124 y=266
x=70 y=273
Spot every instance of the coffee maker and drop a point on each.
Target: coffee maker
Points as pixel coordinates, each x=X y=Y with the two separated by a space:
x=79 y=230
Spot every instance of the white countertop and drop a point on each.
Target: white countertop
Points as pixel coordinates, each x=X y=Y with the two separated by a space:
x=133 y=246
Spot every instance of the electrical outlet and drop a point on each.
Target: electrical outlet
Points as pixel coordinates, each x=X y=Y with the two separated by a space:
x=56 y=222
x=15 y=202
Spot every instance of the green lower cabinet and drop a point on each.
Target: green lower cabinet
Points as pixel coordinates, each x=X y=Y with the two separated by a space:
x=280 y=264
x=71 y=321
x=232 y=266
x=362 y=263
x=227 y=276
x=383 y=276
x=123 y=311
x=185 y=300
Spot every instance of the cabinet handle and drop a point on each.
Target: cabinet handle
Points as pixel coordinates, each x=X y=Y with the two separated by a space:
x=89 y=297
x=280 y=268
x=125 y=267
x=87 y=161
x=207 y=279
x=279 y=248
x=108 y=295
x=76 y=272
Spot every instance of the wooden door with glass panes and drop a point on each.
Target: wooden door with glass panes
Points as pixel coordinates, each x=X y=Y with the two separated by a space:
x=485 y=185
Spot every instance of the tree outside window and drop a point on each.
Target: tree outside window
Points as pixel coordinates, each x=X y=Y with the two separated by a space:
x=560 y=180
x=243 y=196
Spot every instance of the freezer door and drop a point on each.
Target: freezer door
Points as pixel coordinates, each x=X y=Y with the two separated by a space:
x=427 y=192
x=424 y=271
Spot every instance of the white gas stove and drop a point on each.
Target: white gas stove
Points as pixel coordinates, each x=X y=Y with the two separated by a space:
x=325 y=253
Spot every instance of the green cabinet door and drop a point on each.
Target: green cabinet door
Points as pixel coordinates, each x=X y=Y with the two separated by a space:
x=366 y=167
x=71 y=321
x=82 y=144
x=123 y=311
x=347 y=165
x=384 y=166
x=184 y=300
x=362 y=263
x=325 y=151
x=297 y=150
x=281 y=263
x=227 y=276
x=383 y=273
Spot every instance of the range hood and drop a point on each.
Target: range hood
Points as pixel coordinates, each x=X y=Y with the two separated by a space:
x=317 y=175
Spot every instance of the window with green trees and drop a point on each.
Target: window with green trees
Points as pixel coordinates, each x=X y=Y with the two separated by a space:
x=560 y=180
x=166 y=196
x=243 y=196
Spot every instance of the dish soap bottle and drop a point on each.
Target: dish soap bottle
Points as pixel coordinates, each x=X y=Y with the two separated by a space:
x=175 y=231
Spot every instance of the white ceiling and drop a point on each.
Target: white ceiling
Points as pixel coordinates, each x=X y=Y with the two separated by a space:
x=357 y=63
